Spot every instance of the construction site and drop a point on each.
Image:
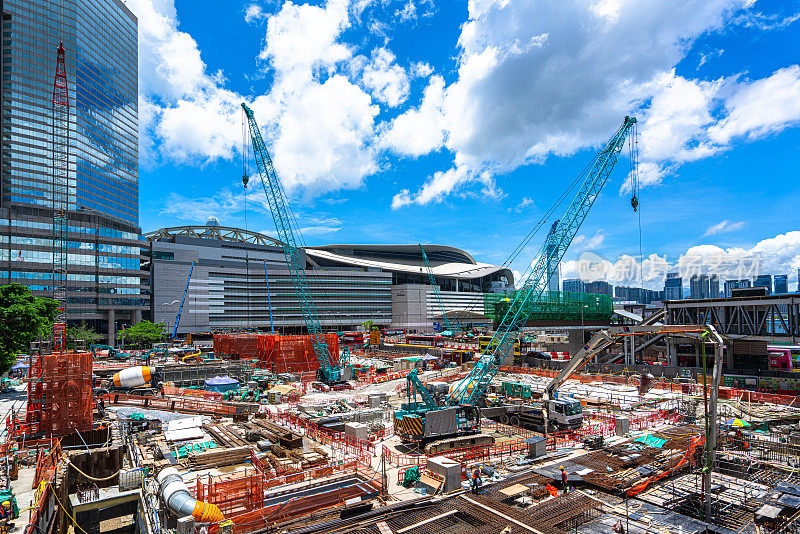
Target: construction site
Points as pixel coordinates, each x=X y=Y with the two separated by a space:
x=472 y=432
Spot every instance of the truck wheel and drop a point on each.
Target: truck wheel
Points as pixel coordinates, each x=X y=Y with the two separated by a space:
x=504 y=419
x=515 y=420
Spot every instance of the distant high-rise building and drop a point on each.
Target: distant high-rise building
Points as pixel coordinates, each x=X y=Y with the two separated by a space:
x=730 y=285
x=600 y=287
x=673 y=287
x=764 y=280
x=700 y=286
x=574 y=285
x=781 y=282
x=713 y=286
x=637 y=294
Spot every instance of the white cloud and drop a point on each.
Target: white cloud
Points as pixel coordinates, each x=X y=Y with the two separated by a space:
x=760 y=107
x=775 y=255
x=321 y=226
x=386 y=81
x=723 y=227
x=421 y=130
x=222 y=205
x=319 y=126
x=558 y=83
x=254 y=13
x=582 y=242
x=525 y=203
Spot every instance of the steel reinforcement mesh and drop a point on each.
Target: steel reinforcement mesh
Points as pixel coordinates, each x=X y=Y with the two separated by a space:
x=66 y=393
x=552 y=306
x=280 y=354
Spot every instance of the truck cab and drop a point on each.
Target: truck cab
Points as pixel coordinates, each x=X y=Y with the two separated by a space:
x=566 y=413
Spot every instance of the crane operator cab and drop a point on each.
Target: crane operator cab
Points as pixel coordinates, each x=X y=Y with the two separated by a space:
x=565 y=413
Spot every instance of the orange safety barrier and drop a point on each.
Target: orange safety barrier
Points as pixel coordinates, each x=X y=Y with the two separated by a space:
x=280 y=354
x=337 y=440
x=185 y=392
x=688 y=457
x=182 y=404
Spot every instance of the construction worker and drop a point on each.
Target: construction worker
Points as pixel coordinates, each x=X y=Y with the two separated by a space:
x=5 y=511
x=564 y=486
x=476 y=481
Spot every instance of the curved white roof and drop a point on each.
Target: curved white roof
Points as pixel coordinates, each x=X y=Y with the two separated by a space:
x=458 y=270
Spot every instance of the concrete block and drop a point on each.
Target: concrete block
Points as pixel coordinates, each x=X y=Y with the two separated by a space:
x=622 y=425
x=374 y=400
x=357 y=430
x=185 y=525
x=536 y=446
x=449 y=469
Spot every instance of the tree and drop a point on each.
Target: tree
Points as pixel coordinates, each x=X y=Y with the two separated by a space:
x=23 y=318
x=143 y=334
x=82 y=332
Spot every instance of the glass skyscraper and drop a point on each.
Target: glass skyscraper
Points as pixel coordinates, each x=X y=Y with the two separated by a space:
x=105 y=284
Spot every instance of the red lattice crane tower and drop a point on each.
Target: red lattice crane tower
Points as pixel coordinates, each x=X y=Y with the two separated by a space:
x=60 y=198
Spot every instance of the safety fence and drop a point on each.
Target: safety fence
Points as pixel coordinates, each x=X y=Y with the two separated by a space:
x=280 y=354
x=182 y=404
x=769 y=391
x=186 y=392
x=603 y=426
x=336 y=440
x=46 y=462
x=243 y=491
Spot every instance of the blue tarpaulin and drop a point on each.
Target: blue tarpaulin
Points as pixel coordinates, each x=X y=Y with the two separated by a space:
x=221 y=384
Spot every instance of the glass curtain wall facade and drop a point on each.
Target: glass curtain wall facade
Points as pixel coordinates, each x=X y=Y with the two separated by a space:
x=106 y=287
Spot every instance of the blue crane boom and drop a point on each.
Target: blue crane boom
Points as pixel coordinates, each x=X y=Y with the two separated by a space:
x=329 y=369
x=183 y=299
x=432 y=279
x=559 y=239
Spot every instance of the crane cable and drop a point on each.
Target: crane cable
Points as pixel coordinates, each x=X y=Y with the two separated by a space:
x=245 y=181
x=633 y=159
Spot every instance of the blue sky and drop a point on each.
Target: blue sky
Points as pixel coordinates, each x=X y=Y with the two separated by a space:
x=461 y=123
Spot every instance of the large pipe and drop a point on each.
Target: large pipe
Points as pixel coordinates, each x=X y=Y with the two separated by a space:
x=133 y=376
x=178 y=500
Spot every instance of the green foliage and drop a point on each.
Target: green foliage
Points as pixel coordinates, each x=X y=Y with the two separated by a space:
x=367 y=325
x=143 y=334
x=23 y=318
x=82 y=332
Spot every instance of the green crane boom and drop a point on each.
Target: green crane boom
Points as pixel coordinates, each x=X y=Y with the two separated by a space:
x=330 y=371
x=535 y=284
x=432 y=279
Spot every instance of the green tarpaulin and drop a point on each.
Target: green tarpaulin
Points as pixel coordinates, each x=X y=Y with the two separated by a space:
x=651 y=441
x=194 y=447
x=411 y=476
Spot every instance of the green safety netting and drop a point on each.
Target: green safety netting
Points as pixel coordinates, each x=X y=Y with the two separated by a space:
x=136 y=416
x=651 y=441
x=552 y=306
x=411 y=476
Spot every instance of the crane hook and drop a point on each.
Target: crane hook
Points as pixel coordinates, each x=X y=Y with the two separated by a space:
x=635 y=202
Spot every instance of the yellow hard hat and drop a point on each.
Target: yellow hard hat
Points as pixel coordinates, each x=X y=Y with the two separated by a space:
x=561 y=467
x=7 y=504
